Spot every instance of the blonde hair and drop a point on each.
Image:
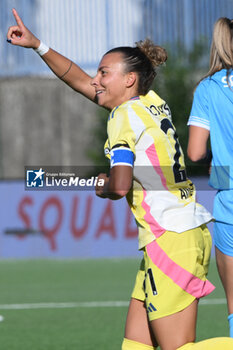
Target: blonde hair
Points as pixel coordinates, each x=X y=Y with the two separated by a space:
x=221 y=53
x=143 y=60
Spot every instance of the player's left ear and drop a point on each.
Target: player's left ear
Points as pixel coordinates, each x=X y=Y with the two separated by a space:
x=131 y=79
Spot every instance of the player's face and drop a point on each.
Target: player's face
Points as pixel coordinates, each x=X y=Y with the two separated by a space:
x=110 y=82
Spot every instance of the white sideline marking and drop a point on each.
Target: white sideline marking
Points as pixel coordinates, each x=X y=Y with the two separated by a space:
x=217 y=301
x=91 y=304
x=64 y=305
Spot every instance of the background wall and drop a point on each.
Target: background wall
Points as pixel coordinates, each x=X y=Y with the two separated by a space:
x=43 y=122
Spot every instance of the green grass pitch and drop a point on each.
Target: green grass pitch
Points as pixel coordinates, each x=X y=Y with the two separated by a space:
x=32 y=293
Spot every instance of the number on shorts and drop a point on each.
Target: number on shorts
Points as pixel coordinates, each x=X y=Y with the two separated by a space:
x=152 y=282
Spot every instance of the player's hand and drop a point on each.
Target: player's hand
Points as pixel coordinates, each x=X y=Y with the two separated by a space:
x=21 y=35
x=100 y=191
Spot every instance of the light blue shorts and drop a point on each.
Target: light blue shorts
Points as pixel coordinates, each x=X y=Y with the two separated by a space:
x=223 y=237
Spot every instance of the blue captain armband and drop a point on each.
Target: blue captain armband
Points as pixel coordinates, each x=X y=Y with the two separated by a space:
x=121 y=156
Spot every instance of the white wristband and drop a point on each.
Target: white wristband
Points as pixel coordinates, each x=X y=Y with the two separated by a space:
x=42 y=49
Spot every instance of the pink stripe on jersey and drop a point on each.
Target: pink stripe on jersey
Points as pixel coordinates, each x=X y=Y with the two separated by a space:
x=154 y=159
x=156 y=229
x=184 y=279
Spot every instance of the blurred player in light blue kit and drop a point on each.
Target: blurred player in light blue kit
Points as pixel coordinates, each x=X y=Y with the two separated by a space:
x=172 y=232
x=212 y=115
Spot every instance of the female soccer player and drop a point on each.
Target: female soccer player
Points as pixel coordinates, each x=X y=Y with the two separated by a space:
x=147 y=167
x=212 y=114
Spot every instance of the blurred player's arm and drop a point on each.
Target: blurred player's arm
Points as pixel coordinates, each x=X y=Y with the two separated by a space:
x=62 y=67
x=117 y=185
x=197 y=143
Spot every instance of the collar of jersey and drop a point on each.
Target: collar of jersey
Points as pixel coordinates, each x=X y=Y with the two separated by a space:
x=115 y=108
x=131 y=99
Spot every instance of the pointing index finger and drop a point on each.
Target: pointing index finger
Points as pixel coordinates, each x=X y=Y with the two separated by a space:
x=18 y=19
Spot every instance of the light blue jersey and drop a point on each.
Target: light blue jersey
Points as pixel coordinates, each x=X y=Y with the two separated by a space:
x=212 y=109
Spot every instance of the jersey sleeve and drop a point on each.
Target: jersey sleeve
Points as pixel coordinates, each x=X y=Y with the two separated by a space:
x=124 y=129
x=199 y=115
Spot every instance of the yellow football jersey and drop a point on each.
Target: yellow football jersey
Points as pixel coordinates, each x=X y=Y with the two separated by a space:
x=161 y=198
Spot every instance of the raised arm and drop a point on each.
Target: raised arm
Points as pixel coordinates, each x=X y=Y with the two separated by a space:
x=63 y=68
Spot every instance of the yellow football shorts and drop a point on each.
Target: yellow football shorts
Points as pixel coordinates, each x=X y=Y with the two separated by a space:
x=173 y=272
